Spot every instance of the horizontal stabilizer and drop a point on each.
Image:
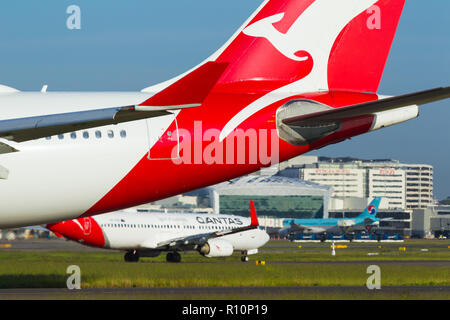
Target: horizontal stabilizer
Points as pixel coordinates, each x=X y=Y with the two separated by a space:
x=24 y=129
x=356 y=110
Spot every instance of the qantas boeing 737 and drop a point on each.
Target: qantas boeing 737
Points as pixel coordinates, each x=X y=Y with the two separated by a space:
x=147 y=235
x=297 y=76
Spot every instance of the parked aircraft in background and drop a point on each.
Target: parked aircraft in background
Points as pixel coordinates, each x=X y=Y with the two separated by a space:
x=333 y=225
x=297 y=76
x=148 y=234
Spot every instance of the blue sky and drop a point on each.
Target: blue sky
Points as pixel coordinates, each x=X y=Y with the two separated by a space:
x=128 y=45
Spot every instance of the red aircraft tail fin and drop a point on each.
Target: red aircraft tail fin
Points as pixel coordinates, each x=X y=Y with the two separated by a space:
x=253 y=218
x=359 y=54
x=319 y=44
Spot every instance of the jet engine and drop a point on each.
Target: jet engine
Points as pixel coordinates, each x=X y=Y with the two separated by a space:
x=216 y=248
x=346 y=223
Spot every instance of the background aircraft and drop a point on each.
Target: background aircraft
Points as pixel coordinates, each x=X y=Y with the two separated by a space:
x=297 y=76
x=147 y=235
x=334 y=225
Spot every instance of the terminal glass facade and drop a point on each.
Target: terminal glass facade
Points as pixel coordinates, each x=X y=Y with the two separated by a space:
x=300 y=207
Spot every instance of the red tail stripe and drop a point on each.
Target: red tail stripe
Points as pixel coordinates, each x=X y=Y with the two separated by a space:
x=191 y=89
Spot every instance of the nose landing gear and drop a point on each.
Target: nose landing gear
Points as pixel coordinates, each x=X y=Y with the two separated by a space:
x=244 y=258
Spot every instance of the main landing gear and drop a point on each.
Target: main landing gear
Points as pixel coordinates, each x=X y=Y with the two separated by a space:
x=173 y=257
x=131 y=256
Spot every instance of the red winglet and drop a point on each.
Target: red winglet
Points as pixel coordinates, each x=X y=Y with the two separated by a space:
x=253 y=217
x=191 y=89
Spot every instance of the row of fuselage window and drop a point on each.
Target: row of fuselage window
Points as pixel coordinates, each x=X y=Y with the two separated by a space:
x=85 y=134
x=166 y=227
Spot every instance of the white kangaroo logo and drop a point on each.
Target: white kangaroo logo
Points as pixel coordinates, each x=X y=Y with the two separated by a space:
x=286 y=44
x=315 y=32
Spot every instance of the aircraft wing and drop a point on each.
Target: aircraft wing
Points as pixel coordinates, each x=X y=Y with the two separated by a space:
x=188 y=92
x=194 y=241
x=355 y=227
x=6 y=148
x=198 y=239
x=313 y=229
x=294 y=228
x=371 y=107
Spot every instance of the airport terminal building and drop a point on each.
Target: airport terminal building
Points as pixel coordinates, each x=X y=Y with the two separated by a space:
x=406 y=189
x=405 y=186
x=275 y=197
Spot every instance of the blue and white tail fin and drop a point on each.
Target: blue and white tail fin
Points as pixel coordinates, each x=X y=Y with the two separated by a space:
x=370 y=212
